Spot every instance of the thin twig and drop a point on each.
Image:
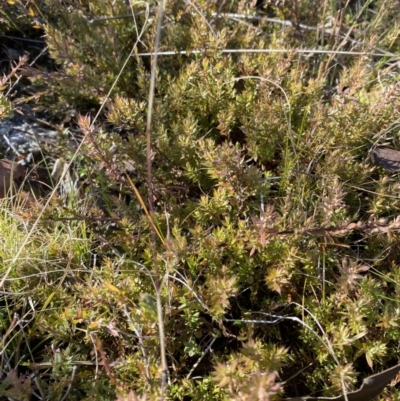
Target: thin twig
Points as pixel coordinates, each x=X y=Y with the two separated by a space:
x=255 y=51
x=70 y=383
x=138 y=331
x=149 y=156
x=200 y=359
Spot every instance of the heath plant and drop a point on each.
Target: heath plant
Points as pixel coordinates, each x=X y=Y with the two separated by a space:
x=231 y=237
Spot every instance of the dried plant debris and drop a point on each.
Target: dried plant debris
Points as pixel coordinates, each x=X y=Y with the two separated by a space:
x=371 y=387
x=389 y=159
x=10 y=171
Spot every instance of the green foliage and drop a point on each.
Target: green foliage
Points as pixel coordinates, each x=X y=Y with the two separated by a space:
x=278 y=238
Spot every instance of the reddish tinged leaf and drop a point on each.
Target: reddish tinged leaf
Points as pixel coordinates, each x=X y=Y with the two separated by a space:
x=383 y=229
x=363 y=268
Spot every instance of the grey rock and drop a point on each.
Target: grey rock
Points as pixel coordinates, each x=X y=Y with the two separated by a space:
x=20 y=135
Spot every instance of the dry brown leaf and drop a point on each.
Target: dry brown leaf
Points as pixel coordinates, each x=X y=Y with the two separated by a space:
x=389 y=159
x=10 y=172
x=371 y=387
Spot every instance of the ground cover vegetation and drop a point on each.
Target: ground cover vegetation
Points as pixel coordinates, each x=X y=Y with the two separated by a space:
x=236 y=243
